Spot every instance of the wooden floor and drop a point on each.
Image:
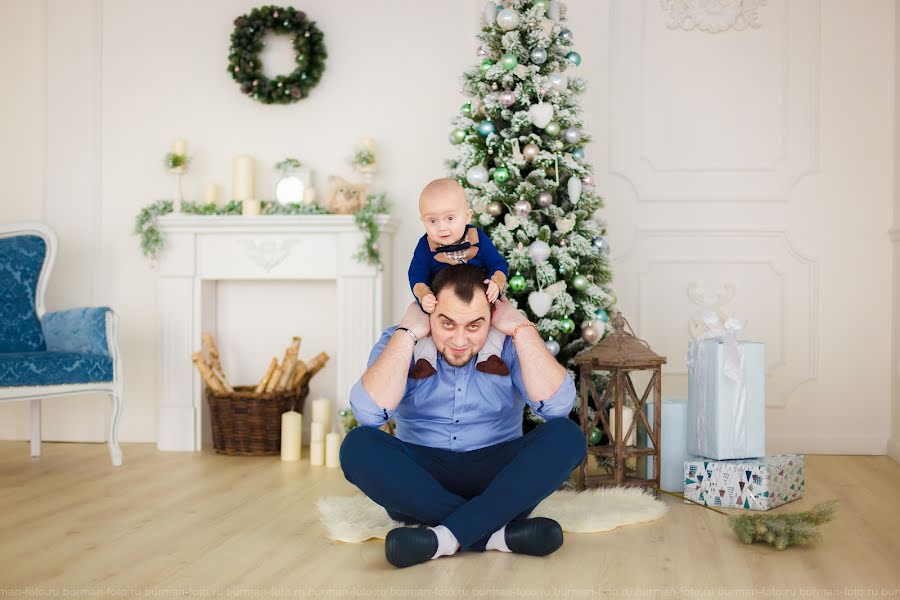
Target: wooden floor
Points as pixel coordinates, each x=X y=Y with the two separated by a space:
x=197 y=525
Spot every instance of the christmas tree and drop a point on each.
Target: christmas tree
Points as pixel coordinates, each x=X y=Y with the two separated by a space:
x=520 y=156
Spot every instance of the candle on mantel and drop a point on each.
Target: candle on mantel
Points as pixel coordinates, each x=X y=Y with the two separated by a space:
x=179 y=147
x=321 y=412
x=243 y=184
x=291 y=435
x=317 y=444
x=332 y=450
x=211 y=194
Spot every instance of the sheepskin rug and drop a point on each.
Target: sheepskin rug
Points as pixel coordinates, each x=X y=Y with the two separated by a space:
x=357 y=518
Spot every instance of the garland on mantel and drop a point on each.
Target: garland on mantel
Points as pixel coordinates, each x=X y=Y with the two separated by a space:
x=152 y=240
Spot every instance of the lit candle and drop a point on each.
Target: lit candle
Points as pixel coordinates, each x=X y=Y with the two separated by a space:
x=243 y=186
x=332 y=450
x=211 y=194
x=179 y=147
x=321 y=412
x=291 y=435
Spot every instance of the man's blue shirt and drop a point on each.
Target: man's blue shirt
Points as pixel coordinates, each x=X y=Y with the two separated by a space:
x=460 y=408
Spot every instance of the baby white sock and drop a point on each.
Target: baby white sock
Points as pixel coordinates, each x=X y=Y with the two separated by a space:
x=447 y=544
x=497 y=541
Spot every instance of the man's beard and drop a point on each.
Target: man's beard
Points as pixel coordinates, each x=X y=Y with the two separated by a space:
x=457 y=360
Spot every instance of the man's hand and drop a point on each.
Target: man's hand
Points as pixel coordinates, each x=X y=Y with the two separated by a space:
x=416 y=320
x=429 y=302
x=506 y=316
x=493 y=290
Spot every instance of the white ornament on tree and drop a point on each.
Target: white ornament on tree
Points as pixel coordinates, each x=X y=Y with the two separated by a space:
x=540 y=303
x=539 y=251
x=511 y=221
x=556 y=289
x=477 y=176
x=565 y=225
x=508 y=19
x=540 y=114
x=574 y=189
x=490 y=12
x=553 y=11
x=558 y=81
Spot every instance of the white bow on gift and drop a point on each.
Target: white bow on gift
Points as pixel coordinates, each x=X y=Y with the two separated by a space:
x=725 y=330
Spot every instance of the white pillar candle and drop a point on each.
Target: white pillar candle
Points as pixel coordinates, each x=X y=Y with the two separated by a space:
x=316 y=432
x=291 y=435
x=179 y=147
x=243 y=183
x=321 y=412
x=627 y=418
x=332 y=450
x=250 y=208
x=211 y=194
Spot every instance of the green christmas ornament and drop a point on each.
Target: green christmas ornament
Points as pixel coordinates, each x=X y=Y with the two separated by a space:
x=457 y=136
x=509 y=61
x=552 y=129
x=485 y=65
x=544 y=4
x=596 y=435
x=517 y=284
x=601 y=314
x=501 y=175
x=566 y=326
x=343 y=412
x=466 y=110
x=579 y=282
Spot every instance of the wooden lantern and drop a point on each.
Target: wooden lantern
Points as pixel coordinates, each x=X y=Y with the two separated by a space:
x=620 y=353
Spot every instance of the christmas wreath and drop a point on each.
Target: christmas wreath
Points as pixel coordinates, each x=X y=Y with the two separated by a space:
x=247 y=40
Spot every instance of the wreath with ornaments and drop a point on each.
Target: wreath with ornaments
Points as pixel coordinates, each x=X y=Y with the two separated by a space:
x=247 y=41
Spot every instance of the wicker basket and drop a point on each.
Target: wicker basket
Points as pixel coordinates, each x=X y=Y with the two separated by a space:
x=248 y=424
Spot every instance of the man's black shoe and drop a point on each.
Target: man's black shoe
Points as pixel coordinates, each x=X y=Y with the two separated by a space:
x=539 y=536
x=408 y=546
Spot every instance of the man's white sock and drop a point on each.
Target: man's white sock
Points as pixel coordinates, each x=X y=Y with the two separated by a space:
x=447 y=544
x=497 y=541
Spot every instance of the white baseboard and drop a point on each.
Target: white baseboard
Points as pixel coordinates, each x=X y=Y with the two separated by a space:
x=826 y=444
x=893 y=448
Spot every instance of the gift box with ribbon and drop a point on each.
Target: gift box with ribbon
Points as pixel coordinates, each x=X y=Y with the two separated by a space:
x=726 y=393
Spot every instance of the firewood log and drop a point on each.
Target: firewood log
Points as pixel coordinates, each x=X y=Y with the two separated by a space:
x=261 y=386
x=206 y=373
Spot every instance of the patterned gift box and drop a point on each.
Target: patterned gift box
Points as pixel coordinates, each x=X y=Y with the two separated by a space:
x=754 y=484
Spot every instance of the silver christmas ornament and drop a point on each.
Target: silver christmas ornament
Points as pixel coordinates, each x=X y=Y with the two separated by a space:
x=477 y=176
x=522 y=208
x=588 y=180
x=539 y=56
x=507 y=98
x=572 y=135
x=558 y=81
x=530 y=152
x=566 y=34
x=552 y=346
x=508 y=19
x=545 y=199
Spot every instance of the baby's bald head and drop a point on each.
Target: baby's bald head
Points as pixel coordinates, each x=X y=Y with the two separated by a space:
x=444 y=210
x=441 y=195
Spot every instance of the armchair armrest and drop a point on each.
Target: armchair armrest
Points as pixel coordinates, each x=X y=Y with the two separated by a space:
x=82 y=330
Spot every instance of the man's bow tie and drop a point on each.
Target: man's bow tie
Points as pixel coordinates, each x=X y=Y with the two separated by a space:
x=454 y=248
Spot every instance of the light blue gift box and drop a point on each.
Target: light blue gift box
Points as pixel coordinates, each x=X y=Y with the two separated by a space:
x=673 y=445
x=723 y=420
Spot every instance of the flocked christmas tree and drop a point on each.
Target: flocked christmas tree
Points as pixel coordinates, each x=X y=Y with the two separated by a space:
x=520 y=156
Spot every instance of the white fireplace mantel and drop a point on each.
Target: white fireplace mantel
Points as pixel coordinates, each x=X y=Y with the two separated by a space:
x=201 y=250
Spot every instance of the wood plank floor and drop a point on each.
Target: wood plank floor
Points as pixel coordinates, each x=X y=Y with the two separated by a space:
x=199 y=524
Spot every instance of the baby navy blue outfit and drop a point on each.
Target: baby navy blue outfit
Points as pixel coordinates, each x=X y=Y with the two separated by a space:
x=474 y=248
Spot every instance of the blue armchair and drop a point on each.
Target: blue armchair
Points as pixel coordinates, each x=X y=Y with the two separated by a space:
x=59 y=353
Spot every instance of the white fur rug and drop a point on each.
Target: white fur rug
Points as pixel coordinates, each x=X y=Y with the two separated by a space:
x=357 y=518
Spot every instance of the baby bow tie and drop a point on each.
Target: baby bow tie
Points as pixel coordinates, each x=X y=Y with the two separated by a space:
x=454 y=248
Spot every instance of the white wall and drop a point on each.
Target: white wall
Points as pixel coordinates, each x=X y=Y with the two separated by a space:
x=776 y=158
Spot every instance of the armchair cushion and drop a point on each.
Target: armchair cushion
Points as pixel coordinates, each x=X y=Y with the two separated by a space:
x=21 y=261
x=79 y=330
x=53 y=368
